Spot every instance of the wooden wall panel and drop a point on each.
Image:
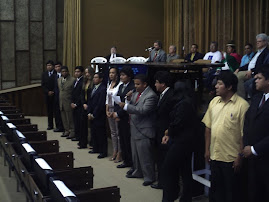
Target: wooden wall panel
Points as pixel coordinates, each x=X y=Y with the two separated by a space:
x=130 y=25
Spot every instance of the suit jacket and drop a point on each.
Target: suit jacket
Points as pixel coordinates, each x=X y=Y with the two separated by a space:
x=76 y=93
x=48 y=82
x=256 y=127
x=143 y=114
x=108 y=56
x=183 y=122
x=163 y=109
x=56 y=90
x=96 y=105
x=261 y=62
x=161 y=57
x=197 y=56
x=65 y=92
x=121 y=113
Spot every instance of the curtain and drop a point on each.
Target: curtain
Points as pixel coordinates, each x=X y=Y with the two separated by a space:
x=202 y=21
x=72 y=34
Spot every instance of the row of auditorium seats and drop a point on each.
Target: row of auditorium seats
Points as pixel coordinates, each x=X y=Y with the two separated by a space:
x=44 y=173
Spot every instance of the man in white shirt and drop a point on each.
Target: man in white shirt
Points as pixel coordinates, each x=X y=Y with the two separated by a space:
x=214 y=55
x=245 y=73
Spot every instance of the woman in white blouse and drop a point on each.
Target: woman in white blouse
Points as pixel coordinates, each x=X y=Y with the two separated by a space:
x=112 y=90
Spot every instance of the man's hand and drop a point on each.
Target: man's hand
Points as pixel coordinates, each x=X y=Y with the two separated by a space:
x=108 y=114
x=85 y=106
x=247 y=152
x=73 y=105
x=236 y=71
x=248 y=75
x=50 y=93
x=117 y=119
x=237 y=164
x=121 y=104
x=165 y=139
x=129 y=95
x=207 y=155
x=90 y=117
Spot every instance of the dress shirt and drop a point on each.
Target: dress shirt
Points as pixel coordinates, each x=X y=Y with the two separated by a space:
x=59 y=75
x=112 y=56
x=252 y=63
x=77 y=81
x=171 y=57
x=226 y=121
x=246 y=59
x=165 y=90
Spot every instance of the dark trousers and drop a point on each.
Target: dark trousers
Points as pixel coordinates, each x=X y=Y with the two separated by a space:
x=83 y=139
x=99 y=138
x=57 y=113
x=50 y=107
x=77 y=121
x=125 y=140
x=177 y=161
x=161 y=151
x=258 y=180
x=224 y=182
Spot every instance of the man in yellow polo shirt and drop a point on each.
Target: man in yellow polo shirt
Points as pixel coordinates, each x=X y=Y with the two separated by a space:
x=224 y=122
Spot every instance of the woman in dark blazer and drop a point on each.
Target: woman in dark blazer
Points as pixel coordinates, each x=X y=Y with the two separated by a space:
x=85 y=94
x=179 y=137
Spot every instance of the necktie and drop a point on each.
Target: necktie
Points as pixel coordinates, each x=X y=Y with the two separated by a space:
x=138 y=96
x=93 y=91
x=262 y=101
x=155 y=56
x=123 y=88
x=161 y=96
x=49 y=74
x=76 y=83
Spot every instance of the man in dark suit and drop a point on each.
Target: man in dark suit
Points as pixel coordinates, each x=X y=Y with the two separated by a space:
x=113 y=54
x=194 y=54
x=48 y=83
x=256 y=140
x=76 y=101
x=97 y=116
x=164 y=107
x=57 y=112
x=245 y=74
x=141 y=108
x=126 y=76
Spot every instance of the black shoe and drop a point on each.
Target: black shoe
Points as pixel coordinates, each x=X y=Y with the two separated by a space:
x=101 y=156
x=147 y=183
x=132 y=176
x=123 y=165
x=92 y=152
x=57 y=130
x=64 y=135
x=156 y=186
x=75 y=139
x=69 y=137
x=130 y=171
x=49 y=128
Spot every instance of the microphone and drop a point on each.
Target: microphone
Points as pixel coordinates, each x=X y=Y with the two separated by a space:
x=149 y=49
